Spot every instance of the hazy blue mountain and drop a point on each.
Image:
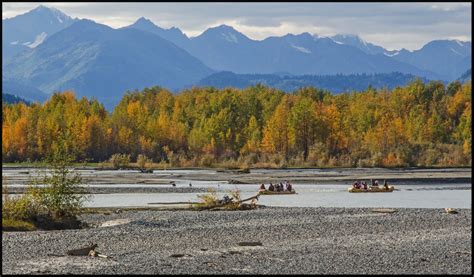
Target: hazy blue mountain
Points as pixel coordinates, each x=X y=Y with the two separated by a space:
x=464 y=63
x=333 y=83
x=224 y=48
x=466 y=76
x=12 y=99
x=359 y=43
x=30 y=29
x=95 y=60
x=306 y=54
x=22 y=89
x=448 y=58
x=173 y=34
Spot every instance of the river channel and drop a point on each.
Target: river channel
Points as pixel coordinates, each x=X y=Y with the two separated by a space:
x=325 y=189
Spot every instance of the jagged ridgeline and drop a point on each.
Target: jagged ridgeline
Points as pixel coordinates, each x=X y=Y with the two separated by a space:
x=420 y=124
x=45 y=50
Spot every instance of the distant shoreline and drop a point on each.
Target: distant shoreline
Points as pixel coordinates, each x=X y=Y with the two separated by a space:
x=95 y=166
x=177 y=180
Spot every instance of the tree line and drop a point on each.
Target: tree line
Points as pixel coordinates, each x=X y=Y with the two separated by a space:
x=420 y=124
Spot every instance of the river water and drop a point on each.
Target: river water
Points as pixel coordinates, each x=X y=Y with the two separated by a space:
x=423 y=195
x=335 y=195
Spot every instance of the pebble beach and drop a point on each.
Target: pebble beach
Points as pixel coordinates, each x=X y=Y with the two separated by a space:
x=267 y=240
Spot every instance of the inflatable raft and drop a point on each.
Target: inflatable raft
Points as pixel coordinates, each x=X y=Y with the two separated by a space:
x=372 y=189
x=269 y=192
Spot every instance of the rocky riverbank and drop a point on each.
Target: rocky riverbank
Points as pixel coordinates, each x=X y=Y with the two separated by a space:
x=285 y=241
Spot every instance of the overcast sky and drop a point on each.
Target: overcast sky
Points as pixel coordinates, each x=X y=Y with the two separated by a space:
x=391 y=25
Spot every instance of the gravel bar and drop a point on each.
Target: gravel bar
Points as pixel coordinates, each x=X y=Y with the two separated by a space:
x=262 y=241
x=132 y=189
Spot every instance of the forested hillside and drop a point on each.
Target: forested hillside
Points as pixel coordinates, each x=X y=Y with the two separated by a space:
x=415 y=125
x=335 y=83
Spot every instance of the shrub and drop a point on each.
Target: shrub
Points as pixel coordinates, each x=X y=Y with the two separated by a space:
x=62 y=194
x=248 y=159
x=16 y=207
x=17 y=211
x=211 y=200
x=55 y=204
x=171 y=156
x=120 y=160
x=143 y=162
x=207 y=160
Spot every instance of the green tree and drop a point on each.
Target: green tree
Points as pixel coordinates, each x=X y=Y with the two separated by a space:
x=62 y=194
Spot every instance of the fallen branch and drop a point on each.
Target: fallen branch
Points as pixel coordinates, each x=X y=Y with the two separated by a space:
x=55 y=255
x=389 y=211
x=82 y=251
x=94 y=253
x=172 y=203
x=461 y=252
x=250 y=198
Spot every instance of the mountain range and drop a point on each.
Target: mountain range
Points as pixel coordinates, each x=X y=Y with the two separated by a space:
x=96 y=60
x=50 y=51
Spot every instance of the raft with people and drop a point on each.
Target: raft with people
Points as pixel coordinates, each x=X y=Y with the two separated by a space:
x=276 y=189
x=372 y=189
x=359 y=186
x=266 y=191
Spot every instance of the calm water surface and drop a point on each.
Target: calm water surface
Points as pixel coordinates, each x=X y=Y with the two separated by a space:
x=406 y=196
x=436 y=195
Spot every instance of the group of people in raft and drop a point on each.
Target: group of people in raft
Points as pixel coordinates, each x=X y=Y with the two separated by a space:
x=277 y=187
x=363 y=184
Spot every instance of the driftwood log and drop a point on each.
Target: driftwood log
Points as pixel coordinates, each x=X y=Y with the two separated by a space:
x=86 y=251
x=387 y=211
x=223 y=204
x=450 y=211
x=94 y=253
x=250 y=198
x=82 y=251
x=174 y=203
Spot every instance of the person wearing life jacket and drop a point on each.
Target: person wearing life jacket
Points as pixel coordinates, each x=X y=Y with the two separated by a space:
x=358 y=185
x=271 y=187
x=262 y=187
x=288 y=186
x=385 y=184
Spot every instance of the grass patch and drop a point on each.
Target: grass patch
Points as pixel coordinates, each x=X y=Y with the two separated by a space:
x=17 y=225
